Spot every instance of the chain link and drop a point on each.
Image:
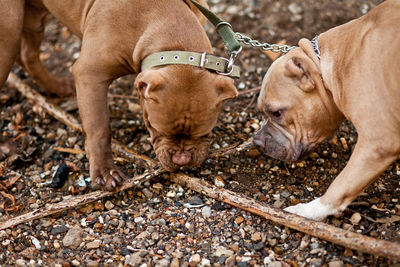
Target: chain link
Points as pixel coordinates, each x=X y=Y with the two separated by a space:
x=264 y=46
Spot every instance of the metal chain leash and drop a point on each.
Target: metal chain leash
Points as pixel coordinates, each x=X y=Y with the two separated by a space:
x=265 y=46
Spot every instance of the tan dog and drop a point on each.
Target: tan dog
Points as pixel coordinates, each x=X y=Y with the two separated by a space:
x=180 y=103
x=305 y=99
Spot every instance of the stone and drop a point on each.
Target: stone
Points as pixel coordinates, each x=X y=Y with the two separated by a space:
x=109 y=205
x=59 y=230
x=73 y=238
x=206 y=211
x=20 y=262
x=196 y=258
x=255 y=237
x=355 y=218
x=29 y=253
x=230 y=261
x=315 y=262
x=223 y=252
x=195 y=201
x=336 y=264
x=163 y=263
x=205 y=263
x=175 y=262
x=135 y=259
x=94 y=244
x=239 y=220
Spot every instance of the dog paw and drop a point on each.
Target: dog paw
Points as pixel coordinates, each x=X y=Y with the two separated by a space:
x=60 y=86
x=107 y=179
x=314 y=210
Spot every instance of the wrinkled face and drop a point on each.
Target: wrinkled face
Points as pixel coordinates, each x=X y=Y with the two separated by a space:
x=295 y=117
x=180 y=107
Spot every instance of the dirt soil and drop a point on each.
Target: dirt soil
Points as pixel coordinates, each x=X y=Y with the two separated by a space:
x=161 y=223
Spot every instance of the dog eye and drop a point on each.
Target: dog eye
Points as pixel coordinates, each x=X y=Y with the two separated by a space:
x=276 y=114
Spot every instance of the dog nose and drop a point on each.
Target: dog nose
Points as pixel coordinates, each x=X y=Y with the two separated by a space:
x=181 y=158
x=259 y=141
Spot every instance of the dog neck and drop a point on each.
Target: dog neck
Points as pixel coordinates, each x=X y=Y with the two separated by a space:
x=326 y=95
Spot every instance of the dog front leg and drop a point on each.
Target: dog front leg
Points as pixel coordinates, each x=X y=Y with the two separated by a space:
x=92 y=86
x=365 y=164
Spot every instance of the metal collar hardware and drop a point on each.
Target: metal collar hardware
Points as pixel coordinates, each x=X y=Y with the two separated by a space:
x=315 y=46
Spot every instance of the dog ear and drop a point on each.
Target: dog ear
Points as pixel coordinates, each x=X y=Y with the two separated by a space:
x=297 y=68
x=226 y=89
x=148 y=82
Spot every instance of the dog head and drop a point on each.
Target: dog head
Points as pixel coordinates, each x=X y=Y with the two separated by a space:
x=298 y=110
x=180 y=107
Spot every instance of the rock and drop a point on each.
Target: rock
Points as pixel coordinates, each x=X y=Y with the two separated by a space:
x=92 y=263
x=275 y=264
x=175 y=262
x=234 y=248
x=355 y=218
x=316 y=262
x=29 y=253
x=219 y=182
x=36 y=242
x=206 y=211
x=195 y=201
x=336 y=264
x=133 y=107
x=239 y=220
x=223 y=252
x=255 y=237
x=230 y=261
x=73 y=238
x=195 y=259
x=163 y=263
x=205 y=263
x=135 y=259
x=59 y=229
x=109 y=205
x=143 y=235
x=20 y=262
x=94 y=244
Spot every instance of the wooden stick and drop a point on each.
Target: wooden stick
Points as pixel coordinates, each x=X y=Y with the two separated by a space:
x=318 y=229
x=77 y=201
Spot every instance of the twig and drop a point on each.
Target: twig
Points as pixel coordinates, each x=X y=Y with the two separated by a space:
x=245 y=92
x=318 y=229
x=251 y=102
x=122 y=96
x=77 y=201
x=232 y=149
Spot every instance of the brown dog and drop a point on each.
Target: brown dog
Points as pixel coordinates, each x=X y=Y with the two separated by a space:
x=180 y=103
x=305 y=99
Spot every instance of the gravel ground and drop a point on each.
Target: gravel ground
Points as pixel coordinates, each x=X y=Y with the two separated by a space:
x=164 y=224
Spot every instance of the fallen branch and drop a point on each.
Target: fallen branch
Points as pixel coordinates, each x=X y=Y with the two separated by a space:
x=77 y=201
x=321 y=230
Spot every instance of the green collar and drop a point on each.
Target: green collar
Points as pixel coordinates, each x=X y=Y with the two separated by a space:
x=220 y=65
